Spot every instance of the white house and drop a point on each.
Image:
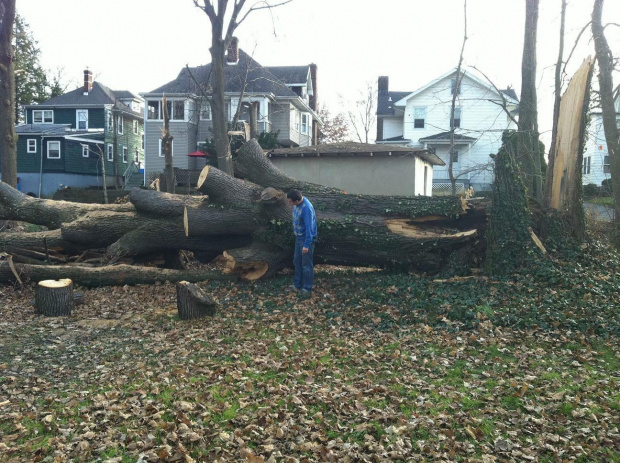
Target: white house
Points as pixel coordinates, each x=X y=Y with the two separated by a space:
x=596 y=166
x=422 y=119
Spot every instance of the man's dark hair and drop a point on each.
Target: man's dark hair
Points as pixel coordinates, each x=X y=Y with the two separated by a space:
x=295 y=195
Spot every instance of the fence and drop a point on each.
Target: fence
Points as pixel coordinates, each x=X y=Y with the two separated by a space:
x=445 y=189
x=182 y=177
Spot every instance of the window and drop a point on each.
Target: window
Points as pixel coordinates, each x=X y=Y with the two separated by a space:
x=110 y=153
x=161 y=151
x=53 y=150
x=606 y=167
x=457 y=117
x=125 y=154
x=81 y=119
x=453 y=84
x=142 y=141
x=205 y=111
x=586 y=165
x=419 y=115
x=85 y=153
x=119 y=124
x=153 y=110
x=137 y=158
x=135 y=127
x=41 y=116
x=304 y=123
x=178 y=112
x=110 y=121
x=32 y=145
x=455 y=156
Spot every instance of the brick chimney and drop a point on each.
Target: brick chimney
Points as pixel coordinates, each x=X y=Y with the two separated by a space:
x=382 y=85
x=233 y=51
x=88 y=81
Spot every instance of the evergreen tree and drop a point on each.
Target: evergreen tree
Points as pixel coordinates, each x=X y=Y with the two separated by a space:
x=31 y=81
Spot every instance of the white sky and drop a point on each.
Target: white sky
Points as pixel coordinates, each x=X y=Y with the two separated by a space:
x=139 y=45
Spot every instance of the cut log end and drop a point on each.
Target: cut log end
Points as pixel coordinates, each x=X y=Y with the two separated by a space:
x=250 y=270
x=193 y=302
x=202 y=177
x=54 y=298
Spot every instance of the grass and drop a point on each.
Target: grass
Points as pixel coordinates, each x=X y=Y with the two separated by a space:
x=602 y=201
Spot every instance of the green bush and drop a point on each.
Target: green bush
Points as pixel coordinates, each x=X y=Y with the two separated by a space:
x=590 y=190
x=606 y=189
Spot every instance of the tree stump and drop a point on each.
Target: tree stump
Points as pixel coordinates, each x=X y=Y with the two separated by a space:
x=193 y=302
x=54 y=298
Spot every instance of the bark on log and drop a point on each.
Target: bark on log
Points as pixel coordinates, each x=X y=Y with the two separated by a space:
x=164 y=205
x=214 y=220
x=193 y=302
x=117 y=275
x=36 y=240
x=224 y=189
x=52 y=214
x=54 y=298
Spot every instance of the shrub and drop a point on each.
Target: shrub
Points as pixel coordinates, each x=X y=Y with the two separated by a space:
x=590 y=190
x=606 y=187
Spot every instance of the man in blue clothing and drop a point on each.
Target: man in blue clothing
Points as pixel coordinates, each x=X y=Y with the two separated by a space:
x=304 y=228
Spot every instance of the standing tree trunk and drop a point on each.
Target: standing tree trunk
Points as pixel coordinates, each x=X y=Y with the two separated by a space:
x=166 y=147
x=606 y=85
x=455 y=92
x=8 y=137
x=254 y=119
x=218 y=104
x=528 y=152
x=115 y=148
x=556 y=111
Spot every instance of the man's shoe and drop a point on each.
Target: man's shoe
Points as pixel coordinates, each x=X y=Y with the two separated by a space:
x=305 y=293
x=294 y=288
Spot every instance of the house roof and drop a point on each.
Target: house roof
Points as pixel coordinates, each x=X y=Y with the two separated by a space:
x=385 y=104
x=290 y=74
x=399 y=138
x=99 y=95
x=258 y=79
x=126 y=95
x=43 y=129
x=446 y=136
x=385 y=107
x=351 y=149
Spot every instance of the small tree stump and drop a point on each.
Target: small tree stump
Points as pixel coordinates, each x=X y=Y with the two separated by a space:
x=193 y=302
x=54 y=298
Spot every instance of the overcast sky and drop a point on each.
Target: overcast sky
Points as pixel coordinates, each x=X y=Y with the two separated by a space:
x=139 y=45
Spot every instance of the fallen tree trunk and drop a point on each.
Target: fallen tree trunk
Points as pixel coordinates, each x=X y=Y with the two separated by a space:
x=250 y=222
x=117 y=275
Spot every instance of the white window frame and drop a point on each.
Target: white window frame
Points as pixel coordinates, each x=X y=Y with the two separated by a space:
x=79 y=112
x=42 y=113
x=85 y=151
x=586 y=165
x=110 y=121
x=458 y=111
x=50 y=142
x=606 y=165
x=304 y=123
x=119 y=124
x=125 y=155
x=454 y=154
x=110 y=152
x=142 y=140
x=419 y=111
x=157 y=106
x=31 y=145
x=135 y=127
x=161 y=153
x=137 y=158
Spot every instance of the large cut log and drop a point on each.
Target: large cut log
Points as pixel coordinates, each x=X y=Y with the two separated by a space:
x=161 y=204
x=54 y=298
x=117 y=275
x=193 y=302
x=52 y=214
x=213 y=219
x=39 y=240
x=224 y=189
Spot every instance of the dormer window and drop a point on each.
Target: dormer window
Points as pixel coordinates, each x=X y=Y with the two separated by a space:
x=42 y=116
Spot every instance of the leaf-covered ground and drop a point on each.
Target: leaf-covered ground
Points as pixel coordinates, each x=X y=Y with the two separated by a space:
x=374 y=367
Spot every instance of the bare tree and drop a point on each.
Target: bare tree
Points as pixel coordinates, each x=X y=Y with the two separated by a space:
x=166 y=147
x=605 y=61
x=335 y=128
x=556 y=109
x=223 y=27
x=8 y=137
x=528 y=154
x=455 y=93
x=364 y=115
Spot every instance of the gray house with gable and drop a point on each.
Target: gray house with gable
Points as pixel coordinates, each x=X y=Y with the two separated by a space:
x=285 y=95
